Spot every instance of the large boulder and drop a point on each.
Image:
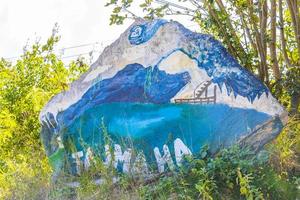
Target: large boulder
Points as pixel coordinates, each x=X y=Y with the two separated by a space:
x=157 y=93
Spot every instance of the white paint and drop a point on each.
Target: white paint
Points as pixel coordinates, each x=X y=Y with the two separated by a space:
x=60 y=144
x=224 y=70
x=88 y=158
x=120 y=53
x=119 y=157
x=268 y=105
x=117 y=55
x=140 y=165
x=77 y=156
x=95 y=73
x=108 y=160
x=163 y=160
x=178 y=62
x=122 y=158
x=180 y=150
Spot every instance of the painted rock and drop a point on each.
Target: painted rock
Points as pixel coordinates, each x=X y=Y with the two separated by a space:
x=157 y=93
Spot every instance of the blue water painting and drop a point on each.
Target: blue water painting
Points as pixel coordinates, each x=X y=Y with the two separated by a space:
x=146 y=126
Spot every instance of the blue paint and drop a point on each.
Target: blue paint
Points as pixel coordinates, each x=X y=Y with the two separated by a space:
x=209 y=53
x=141 y=33
x=137 y=124
x=150 y=85
x=235 y=78
x=145 y=126
x=134 y=83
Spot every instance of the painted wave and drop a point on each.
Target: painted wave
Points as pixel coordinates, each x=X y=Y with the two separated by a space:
x=210 y=55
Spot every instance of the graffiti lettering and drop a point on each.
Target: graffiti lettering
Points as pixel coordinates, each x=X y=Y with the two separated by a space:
x=140 y=164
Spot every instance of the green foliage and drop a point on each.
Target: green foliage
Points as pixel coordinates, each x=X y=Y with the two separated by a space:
x=206 y=185
x=286 y=149
x=246 y=189
x=232 y=174
x=117 y=17
x=288 y=88
x=292 y=81
x=25 y=87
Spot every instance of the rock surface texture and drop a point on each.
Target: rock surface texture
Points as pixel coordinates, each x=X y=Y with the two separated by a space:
x=157 y=93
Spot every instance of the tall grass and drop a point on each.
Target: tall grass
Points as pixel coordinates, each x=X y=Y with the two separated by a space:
x=233 y=173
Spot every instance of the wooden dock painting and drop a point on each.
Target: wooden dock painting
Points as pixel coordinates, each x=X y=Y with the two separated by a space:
x=156 y=94
x=200 y=94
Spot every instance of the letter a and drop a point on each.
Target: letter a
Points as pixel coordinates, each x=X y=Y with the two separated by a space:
x=180 y=150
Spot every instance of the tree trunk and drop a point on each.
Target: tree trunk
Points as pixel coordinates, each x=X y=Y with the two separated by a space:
x=226 y=38
x=229 y=33
x=239 y=47
x=294 y=11
x=253 y=23
x=295 y=101
x=273 y=54
x=282 y=36
x=263 y=37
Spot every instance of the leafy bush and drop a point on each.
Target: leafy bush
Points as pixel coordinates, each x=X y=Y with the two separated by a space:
x=25 y=87
x=232 y=174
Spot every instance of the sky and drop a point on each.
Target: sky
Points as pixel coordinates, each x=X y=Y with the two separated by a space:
x=83 y=23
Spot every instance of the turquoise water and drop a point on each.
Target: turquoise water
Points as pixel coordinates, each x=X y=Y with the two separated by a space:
x=145 y=126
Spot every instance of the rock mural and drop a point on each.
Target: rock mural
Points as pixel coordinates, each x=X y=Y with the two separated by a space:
x=157 y=93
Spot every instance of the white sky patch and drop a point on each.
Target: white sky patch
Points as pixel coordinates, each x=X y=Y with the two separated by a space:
x=80 y=22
